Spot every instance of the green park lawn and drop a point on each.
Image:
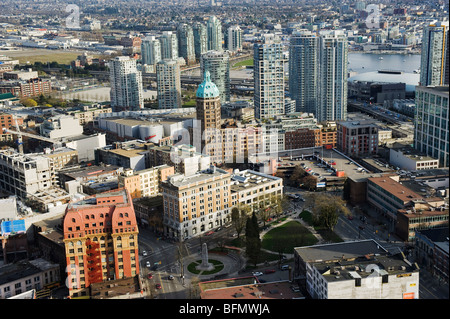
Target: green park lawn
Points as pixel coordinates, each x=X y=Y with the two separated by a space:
x=243 y=63
x=288 y=236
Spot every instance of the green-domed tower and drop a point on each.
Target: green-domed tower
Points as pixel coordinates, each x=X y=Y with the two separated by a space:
x=209 y=118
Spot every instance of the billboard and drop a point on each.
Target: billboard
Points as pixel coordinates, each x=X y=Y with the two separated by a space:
x=12 y=227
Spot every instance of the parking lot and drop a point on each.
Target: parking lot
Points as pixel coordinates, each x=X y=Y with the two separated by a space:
x=324 y=164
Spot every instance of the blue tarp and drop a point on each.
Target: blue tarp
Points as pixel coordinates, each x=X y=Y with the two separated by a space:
x=13 y=227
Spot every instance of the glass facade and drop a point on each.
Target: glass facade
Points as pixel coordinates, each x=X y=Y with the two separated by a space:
x=431 y=134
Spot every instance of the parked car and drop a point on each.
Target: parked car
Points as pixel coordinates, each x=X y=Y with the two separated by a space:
x=171 y=277
x=209 y=233
x=270 y=271
x=158 y=286
x=150 y=276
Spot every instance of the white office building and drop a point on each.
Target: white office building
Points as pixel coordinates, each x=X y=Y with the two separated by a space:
x=214 y=32
x=268 y=77
x=333 y=74
x=126 y=84
x=234 y=39
x=150 y=51
x=62 y=126
x=355 y=270
x=169 y=45
x=168 y=84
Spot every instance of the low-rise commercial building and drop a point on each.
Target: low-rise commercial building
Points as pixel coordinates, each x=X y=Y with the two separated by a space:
x=18 y=278
x=145 y=183
x=355 y=270
x=254 y=188
x=132 y=154
x=431 y=251
x=87 y=114
x=409 y=159
x=63 y=126
x=407 y=206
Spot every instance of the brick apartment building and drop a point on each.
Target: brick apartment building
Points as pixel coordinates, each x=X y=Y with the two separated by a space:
x=101 y=240
x=26 y=88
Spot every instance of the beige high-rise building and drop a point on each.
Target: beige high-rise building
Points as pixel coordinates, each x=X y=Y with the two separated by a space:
x=196 y=204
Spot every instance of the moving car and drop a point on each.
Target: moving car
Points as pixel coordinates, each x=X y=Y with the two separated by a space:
x=270 y=271
x=158 y=286
x=147 y=264
x=150 y=276
x=257 y=273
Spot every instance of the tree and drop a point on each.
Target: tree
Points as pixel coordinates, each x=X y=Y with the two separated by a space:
x=28 y=102
x=297 y=175
x=262 y=210
x=326 y=209
x=239 y=217
x=252 y=240
x=310 y=182
x=278 y=203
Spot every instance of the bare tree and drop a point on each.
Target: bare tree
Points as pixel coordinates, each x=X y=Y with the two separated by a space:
x=239 y=215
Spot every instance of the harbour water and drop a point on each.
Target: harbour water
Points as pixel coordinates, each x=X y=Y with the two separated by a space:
x=367 y=62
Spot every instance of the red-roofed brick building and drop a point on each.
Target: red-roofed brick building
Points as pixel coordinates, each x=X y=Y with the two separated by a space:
x=101 y=240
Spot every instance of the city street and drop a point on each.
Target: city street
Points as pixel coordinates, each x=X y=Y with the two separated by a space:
x=163 y=256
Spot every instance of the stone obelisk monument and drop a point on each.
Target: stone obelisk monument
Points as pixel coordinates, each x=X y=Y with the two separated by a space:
x=205 y=265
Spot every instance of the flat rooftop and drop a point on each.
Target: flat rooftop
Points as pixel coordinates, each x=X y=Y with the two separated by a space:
x=248 y=179
x=232 y=289
x=395 y=188
x=92 y=200
x=319 y=155
x=181 y=180
x=361 y=267
x=90 y=171
x=338 y=251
